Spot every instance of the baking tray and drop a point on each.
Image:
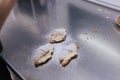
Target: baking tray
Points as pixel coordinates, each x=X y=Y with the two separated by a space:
x=90 y=24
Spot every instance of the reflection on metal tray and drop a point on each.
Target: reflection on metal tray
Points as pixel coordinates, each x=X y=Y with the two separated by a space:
x=91 y=25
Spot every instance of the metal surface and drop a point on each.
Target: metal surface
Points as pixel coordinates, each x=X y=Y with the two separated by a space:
x=111 y=3
x=89 y=24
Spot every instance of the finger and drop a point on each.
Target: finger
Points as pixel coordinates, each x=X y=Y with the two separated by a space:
x=5 y=8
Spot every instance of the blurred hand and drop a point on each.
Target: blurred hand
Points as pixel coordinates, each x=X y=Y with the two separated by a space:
x=5 y=8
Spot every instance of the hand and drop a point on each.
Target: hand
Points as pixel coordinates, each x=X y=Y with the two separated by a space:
x=5 y=8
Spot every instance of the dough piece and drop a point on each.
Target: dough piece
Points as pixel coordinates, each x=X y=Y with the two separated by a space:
x=58 y=35
x=71 y=54
x=46 y=56
x=118 y=19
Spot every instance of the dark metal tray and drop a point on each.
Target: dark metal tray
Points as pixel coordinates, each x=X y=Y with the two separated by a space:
x=89 y=24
